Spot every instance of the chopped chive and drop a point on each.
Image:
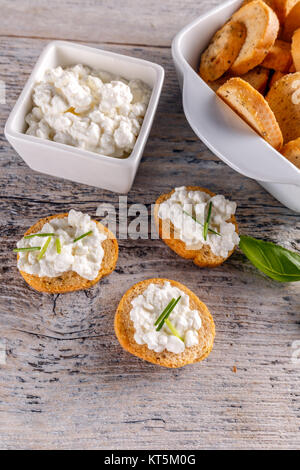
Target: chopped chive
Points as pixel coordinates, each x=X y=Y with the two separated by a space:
x=82 y=236
x=44 y=249
x=205 y=229
x=173 y=329
x=209 y=229
x=29 y=248
x=164 y=312
x=58 y=245
x=167 y=314
x=40 y=235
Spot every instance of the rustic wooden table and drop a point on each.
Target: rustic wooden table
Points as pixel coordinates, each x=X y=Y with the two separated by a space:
x=66 y=382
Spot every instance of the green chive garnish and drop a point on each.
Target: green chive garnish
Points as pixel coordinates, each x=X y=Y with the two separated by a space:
x=161 y=316
x=209 y=229
x=58 y=245
x=44 y=249
x=173 y=330
x=30 y=248
x=40 y=235
x=82 y=236
x=205 y=229
x=167 y=313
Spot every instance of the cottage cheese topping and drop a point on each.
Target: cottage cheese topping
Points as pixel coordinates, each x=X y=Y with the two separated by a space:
x=150 y=304
x=84 y=257
x=89 y=109
x=184 y=202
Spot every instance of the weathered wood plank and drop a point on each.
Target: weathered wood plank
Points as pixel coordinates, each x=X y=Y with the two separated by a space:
x=145 y=22
x=66 y=382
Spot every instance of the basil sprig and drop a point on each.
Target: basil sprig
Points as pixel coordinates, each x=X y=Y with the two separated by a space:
x=275 y=261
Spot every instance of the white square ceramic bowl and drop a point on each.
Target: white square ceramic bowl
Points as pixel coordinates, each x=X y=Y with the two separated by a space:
x=73 y=163
x=220 y=128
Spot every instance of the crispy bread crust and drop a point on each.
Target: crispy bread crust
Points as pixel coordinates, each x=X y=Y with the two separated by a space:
x=222 y=51
x=204 y=257
x=286 y=112
x=296 y=49
x=257 y=77
x=281 y=7
x=124 y=329
x=292 y=22
x=71 y=281
x=291 y=151
x=279 y=57
x=261 y=41
x=276 y=76
x=251 y=106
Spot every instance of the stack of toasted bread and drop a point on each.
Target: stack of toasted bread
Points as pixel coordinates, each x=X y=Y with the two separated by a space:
x=253 y=64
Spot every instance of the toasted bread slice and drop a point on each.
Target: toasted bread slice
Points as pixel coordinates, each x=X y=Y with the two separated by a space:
x=251 y=106
x=292 y=152
x=284 y=100
x=276 y=76
x=124 y=329
x=292 y=22
x=262 y=28
x=281 y=7
x=279 y=57
x=222 y=51
x=71 y=281
x=167 y=232
x=296 y=49
x=257 y=77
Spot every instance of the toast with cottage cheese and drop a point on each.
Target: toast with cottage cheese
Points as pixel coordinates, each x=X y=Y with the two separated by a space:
x=71 y=281
x=203 y=257
x=125 y=331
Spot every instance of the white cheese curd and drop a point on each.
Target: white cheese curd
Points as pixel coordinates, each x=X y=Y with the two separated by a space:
x=89 y=109
x=184 y=203
x=148 y=306
x=84 y=256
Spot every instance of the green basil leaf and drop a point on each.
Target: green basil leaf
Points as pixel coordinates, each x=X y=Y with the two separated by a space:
x=275 y=261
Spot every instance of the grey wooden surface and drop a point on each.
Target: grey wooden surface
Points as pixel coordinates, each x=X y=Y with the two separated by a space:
x=66 y=382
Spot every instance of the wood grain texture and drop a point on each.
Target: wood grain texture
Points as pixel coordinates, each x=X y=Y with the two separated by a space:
x=143 y=22
x=66 y=382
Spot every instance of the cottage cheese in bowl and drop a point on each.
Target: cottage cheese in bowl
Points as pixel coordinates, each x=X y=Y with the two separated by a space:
x=90 y=109
x=83 y=256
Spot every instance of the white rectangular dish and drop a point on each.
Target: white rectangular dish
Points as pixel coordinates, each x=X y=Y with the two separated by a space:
x=220 y=128
x=74 y=163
